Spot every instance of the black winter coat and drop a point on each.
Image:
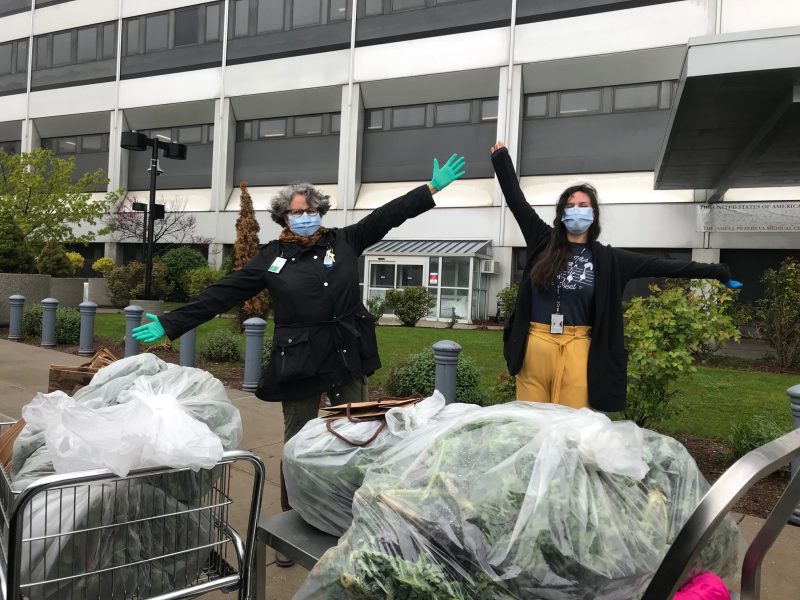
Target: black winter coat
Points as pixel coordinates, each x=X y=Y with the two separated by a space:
x=324 y=337
x=613 y=267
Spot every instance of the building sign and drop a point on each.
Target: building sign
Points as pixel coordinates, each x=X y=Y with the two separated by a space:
x=433 y=279
x=744 y=217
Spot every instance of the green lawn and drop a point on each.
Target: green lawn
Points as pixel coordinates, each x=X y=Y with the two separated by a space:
x=711 y=400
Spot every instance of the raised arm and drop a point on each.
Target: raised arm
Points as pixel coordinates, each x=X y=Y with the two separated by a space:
x=634 y=264
x=378 y=223
x=534 y=230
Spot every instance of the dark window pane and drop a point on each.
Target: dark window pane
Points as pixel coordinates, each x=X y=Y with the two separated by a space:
x=109 y=40
x=244 y=130
x=22 y=56
x=306 y=12
x=585 y=101
x=5 y=58
x=338 y=10
x=156 y=33
x=410 y=116
x=636 y=97
x=241 y=18
x=165 y=135
x=536 y=105
x=87 y=44
x=10 y=147
x=41 y=52
x=488 y=110
x=308 y=125
x=269 y=128
x=375 y=119
x=190 y=135
x=212 y=22
x=452 y=112
x=187 y=27
x=210 y=133
x=373 y=7
x=92 y=143
x=66 y=145
x=132 y=37
x=270 y=15
x=407 y=4
x=336 y=122
x=62 y=48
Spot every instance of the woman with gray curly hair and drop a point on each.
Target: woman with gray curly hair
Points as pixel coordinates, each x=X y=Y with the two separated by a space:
x=324 y=338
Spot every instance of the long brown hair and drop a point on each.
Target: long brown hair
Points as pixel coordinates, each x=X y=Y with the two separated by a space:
x=556 y=255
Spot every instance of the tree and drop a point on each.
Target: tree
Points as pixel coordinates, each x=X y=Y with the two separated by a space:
x=177 y=227
x=779 y=311
x=15 y=256
x=245 y=248
x=53 y=261
x=38 y=194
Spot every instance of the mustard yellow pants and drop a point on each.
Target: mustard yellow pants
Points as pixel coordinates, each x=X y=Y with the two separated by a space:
x=554 y=369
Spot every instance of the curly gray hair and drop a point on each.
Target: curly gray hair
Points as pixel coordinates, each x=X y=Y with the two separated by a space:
x=279 y=205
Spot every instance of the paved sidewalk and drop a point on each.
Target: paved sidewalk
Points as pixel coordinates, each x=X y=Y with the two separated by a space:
x=24 y=371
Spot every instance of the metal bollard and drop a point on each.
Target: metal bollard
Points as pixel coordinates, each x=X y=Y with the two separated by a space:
x=133 y=318
x=254 y=340
x=794 y=405
x=188 y=343
x=49 y=307
x=445 y=356
x=88 y=310
x=17 y=304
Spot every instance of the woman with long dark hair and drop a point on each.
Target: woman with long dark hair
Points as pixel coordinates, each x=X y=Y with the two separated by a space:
x=565 y=338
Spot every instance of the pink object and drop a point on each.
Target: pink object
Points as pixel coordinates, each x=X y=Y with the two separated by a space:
x=705 y=586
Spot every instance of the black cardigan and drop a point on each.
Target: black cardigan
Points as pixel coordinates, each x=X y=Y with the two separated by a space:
x=608 y=361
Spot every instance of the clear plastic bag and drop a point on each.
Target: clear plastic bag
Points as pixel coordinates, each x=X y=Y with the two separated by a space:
x=322 y=472
x=521 y=500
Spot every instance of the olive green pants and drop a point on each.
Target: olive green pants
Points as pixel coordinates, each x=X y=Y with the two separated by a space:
x=296 y=413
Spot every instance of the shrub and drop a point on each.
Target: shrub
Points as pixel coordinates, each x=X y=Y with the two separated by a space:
x=127 y=282
x=221 y=345
x=375 y=306
x=68 y=324
x=180 y=262
x=266 y=350
x=507 y=299
x=15 y=255
x=76 y=260
x=663 y=334
x=410 y=304
x=103 y=265
x=199 y=279
x=779 y=311
x=752 y=432
x=228 y=264
x=416 y=374
x=502 y=391
x=53 y=261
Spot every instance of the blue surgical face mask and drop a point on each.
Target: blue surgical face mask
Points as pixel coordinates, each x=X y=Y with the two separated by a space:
x=305 y=225
x=578 y=219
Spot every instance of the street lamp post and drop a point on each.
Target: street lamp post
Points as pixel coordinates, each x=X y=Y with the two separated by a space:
x=133 y=140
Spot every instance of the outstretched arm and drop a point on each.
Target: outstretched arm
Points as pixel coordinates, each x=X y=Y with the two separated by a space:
x=635 y=265
x=533 y=228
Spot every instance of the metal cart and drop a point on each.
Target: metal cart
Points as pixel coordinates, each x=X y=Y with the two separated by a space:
x=159 y=533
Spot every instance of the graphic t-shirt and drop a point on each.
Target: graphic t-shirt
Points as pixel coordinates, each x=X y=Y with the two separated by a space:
x=575 y=284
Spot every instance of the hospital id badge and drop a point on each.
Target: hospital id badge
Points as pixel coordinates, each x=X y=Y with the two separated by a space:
x=277 y=265
x=556 y=323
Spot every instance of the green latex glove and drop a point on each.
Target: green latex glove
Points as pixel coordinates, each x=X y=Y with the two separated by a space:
x=443 y=176
x=149 y=332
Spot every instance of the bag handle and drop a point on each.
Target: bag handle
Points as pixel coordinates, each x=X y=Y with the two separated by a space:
x=371 y=438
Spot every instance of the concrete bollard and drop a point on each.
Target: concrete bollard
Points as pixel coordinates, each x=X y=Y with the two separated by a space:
x=445 y=356
x=17 y=304
x=188 y=344
x=49 y=307
x=794 y=405
x=133 y=318
x=254 y=341
x=88 y=310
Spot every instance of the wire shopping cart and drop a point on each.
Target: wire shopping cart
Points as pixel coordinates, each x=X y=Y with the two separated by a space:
x=159 y=533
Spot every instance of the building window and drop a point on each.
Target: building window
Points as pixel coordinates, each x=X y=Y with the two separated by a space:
x=41 y=53
x=187 y=27
x=22 y=56
x=408 y=116
x=187 y=134
x=12 y=147
x=212 y=22
x=375 y=119
x=488 y=110
x=109 y=40
x=6 y=55
x=241 y=18
x=132 y=37
x=336 y=122
x=399 y=5
x=306 y=12
x=536 y=105
x=156 y=34
x=271 y=128
x=66 y=145
x=87 y=44
x=453 y=112
x=373 y=7
x=338 y=10
x=190 y=135
x=579 y=102
x=62 y=48
x=94 y=143
x=165 y=135
x=636 y=97
x=301 y=125
x=270 y=16
x=311 y=125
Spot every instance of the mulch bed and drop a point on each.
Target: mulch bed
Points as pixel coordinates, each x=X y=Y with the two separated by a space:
x=711 y=456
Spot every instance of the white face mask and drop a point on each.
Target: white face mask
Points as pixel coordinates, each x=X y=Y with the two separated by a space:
x=578 y=219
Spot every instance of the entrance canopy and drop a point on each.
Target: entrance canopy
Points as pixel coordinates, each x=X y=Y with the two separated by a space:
x=735 y=122
x=477 y=248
